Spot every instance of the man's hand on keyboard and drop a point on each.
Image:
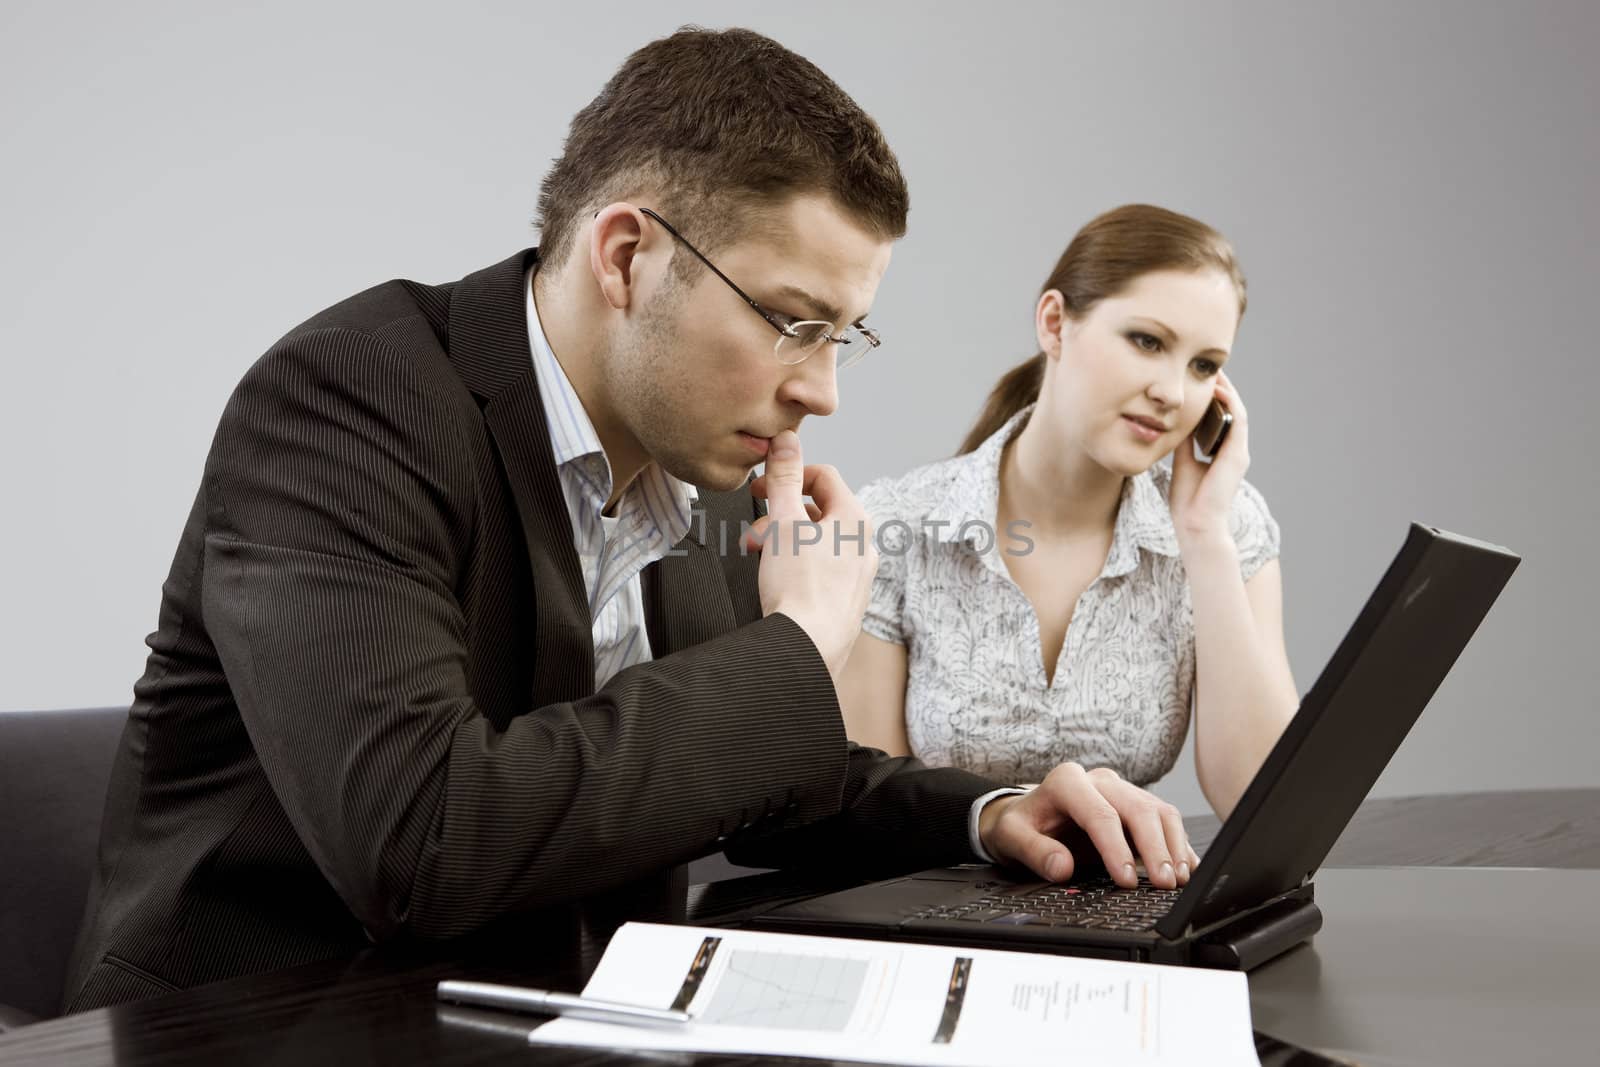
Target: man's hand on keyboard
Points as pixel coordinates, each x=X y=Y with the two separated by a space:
x=1054 y=828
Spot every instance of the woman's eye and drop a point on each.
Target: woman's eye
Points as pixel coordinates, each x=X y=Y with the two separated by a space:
x=1205 y=368
x=1145 y=341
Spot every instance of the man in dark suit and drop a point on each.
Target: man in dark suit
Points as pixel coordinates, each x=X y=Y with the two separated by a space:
x=445 y=643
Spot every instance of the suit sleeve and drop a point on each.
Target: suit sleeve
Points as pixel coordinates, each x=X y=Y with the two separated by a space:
x=341 y=494
x=898 y=815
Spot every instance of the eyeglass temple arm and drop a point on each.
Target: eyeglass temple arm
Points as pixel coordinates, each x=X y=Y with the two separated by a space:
x=759 y=310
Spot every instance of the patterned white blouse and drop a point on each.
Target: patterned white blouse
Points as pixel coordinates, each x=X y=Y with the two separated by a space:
x=977 y=696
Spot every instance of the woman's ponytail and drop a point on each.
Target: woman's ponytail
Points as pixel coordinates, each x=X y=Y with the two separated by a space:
x=1013 y=392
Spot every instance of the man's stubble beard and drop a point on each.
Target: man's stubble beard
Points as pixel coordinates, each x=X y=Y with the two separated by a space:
x=655 y=395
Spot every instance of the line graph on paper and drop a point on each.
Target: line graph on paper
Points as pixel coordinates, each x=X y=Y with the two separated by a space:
x=787 y=990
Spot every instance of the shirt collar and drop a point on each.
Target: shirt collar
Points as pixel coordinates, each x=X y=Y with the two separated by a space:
x=572 y=434
x=971 y=503
x=1143 y=520
x=573 y=437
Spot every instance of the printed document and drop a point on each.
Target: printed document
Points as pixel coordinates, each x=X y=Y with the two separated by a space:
x=890 y=1002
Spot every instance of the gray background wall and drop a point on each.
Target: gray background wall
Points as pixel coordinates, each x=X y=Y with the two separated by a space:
x=1410 y=186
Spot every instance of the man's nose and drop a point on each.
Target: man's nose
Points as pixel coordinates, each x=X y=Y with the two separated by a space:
x=813 y=383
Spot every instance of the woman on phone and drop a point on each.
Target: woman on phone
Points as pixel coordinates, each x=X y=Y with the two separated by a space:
x=1059 y=591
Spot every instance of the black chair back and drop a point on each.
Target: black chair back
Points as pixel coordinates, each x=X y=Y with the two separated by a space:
x=54 y=770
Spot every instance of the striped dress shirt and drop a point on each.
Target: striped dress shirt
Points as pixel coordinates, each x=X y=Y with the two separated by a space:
x=653 y=515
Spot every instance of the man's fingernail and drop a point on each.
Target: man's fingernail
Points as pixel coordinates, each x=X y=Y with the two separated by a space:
x=1055 y=868
x=783 y=451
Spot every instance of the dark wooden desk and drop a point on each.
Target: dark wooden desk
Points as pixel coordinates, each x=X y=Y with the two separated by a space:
x=379 y=1007
x=1535 y=828
x=1442 y=965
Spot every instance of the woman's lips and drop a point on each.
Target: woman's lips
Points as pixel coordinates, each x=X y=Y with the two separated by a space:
x=1142 y=430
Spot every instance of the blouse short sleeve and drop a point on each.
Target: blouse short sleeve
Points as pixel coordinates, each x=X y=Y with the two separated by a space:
x=885 y=618
x=1255 y=531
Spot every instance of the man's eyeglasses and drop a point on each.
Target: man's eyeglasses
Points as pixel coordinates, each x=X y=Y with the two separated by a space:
x=797 y=338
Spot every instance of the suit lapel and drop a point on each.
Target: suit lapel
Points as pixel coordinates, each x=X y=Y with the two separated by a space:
x=488 y=342
x=686 y=595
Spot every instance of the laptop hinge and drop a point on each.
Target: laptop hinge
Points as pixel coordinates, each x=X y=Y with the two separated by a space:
x=1306 y=890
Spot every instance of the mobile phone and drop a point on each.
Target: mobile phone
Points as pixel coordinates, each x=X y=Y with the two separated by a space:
x=1213 y=428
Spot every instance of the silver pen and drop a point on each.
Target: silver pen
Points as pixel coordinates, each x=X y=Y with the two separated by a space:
x=544 y=1002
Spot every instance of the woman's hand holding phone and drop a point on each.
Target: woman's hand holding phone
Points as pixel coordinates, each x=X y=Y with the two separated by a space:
x=1201 y=496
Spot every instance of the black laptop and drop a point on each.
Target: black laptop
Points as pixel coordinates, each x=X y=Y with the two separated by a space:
x=1252 y=896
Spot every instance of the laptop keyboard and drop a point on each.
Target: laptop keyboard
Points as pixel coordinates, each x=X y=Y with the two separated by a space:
x=1097 y=904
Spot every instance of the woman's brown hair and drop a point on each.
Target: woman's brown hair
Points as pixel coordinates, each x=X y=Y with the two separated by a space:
x=1103 y=259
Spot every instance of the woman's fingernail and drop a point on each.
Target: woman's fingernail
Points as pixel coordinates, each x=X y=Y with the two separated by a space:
x=1166 y=871
x=1128 y=871
x=1055 y=868
x=1183 y=870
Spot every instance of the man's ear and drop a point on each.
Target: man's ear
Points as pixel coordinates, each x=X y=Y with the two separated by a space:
x=1050 y=322
x=618 y=235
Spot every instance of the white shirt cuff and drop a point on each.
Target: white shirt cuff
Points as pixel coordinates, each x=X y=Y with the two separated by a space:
x=972 y=819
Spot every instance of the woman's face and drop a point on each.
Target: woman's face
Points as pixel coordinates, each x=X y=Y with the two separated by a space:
x=1135 y=374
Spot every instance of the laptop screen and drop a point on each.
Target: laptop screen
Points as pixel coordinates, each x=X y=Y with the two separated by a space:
x=1350 y=723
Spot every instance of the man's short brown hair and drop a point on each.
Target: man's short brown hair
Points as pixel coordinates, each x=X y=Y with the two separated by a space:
x=714 y=124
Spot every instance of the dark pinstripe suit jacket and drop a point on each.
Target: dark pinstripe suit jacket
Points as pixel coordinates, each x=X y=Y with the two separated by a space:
x=369 y=708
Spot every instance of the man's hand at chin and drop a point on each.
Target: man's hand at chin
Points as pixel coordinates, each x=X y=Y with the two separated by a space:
x=1101 y=812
